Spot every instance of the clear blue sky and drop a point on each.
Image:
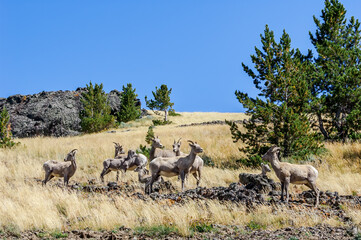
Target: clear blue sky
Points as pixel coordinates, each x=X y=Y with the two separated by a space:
x=195 y=47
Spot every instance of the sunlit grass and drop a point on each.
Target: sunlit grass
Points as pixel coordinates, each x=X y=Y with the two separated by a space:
x=25 y=204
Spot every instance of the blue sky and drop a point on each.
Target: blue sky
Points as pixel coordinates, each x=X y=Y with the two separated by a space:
x=195 y=47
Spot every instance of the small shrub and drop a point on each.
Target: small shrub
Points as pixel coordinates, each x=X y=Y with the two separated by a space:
x=202 y=226
x=208 y=161
x=252 y=161
x=58 y=234
x=253 y=225
x=144 y=150
x=159 y=230
x=158 y=122
x=172 y=113
x=5 y=130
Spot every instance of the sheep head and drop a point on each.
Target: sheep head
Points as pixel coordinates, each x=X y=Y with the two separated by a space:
x=195 y=147
x=177 y=145
x=71 y=155
x=265 y=168
x=156 y=143
x=118 y=149
x=271 y=154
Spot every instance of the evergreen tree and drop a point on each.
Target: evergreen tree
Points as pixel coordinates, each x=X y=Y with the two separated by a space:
x=95 y=115
x=150 y=135
x=279 y=115
x=5 y=130
x=148 y=139
x=129 y=109
x=336 y=88
x=161 y=101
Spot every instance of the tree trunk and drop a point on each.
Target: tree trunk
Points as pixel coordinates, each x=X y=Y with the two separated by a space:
x=321 y=127
x=165 y=115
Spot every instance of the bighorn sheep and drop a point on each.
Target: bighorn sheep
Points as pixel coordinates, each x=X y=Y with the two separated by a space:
x=292 y=173
x=197 y=165
x=65 y=169
x=118 y=150
x=134 y=160
x=113 y=164
x=265 y=169
x=174 y=166
x=156 y=152
x=143 y=176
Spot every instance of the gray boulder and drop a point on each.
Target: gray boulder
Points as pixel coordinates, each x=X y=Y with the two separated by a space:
x=258 y=182
x=49 y=113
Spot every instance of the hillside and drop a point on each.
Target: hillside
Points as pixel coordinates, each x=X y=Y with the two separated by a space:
x=49 y=113
x=28 y=209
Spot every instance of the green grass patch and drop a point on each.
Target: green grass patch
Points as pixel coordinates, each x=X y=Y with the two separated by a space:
x=57 y=234
x=202 y=226
x=253 y=225
x=159 y=230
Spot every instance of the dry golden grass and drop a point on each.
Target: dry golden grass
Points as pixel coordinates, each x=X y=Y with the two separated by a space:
x=25 y=204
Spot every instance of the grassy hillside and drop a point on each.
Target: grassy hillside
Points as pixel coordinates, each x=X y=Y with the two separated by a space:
x=25 y=204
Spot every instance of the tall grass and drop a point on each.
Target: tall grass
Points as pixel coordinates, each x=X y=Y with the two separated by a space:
x=25 y=204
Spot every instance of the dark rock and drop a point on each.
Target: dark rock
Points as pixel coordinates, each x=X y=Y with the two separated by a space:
x=49 y=113
x=258 y=182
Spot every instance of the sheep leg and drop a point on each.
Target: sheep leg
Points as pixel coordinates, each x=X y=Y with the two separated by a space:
x=182 y=175
x=47 y=178
x=312 y=185
x=282 y=190
x=199 y=176
x=117 y=176
x=66 y=180
x=286 y=186
x=104 y=172
x=196 y=177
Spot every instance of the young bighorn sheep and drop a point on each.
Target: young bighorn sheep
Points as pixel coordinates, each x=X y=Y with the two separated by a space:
x=174 y=166
x=130 y=162
x=156 y=151
x=118 y=150
x=143 y=176
x=197 y=165
x=113 y=164
x=265 y=169
x=292 y=173
x=134 y=160
x=65 y=169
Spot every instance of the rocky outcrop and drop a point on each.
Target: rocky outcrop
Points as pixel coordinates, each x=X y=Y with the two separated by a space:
x=258 y=182
x=49 y=113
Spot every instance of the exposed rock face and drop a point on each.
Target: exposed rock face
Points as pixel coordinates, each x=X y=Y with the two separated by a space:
x=49 y=113
x=258 y=182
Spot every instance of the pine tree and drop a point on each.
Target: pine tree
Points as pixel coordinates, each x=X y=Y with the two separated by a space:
x=95 y=115
x=129 y=109
x=337 y=83
x=5 y=130
x=161 y=101
x=279 y=115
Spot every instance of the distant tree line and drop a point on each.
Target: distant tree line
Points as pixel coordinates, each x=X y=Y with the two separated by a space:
x=96 y=113
x=304 y=98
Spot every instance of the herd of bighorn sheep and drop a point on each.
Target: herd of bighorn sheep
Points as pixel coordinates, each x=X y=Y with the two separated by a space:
x=170 y=163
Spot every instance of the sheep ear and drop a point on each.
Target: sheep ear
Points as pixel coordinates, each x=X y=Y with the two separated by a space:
x=174 y=142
